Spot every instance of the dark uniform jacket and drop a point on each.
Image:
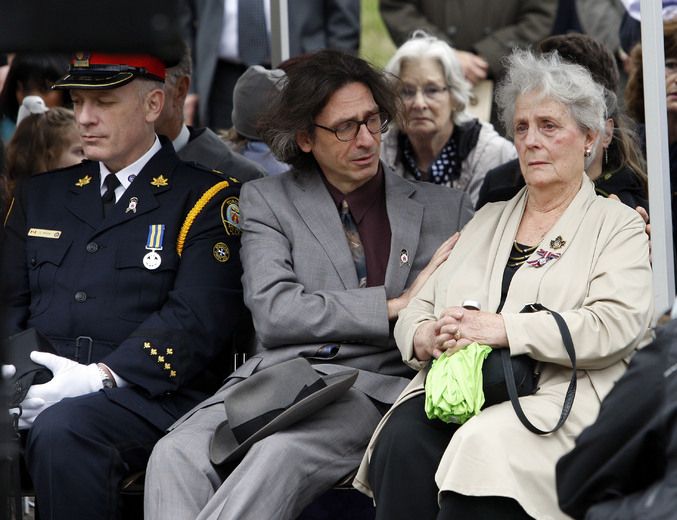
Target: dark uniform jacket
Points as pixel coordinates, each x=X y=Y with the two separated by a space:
x=82 y=281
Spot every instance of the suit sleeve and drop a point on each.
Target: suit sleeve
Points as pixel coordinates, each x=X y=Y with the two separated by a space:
x=533 y=23
x=177 y=344
x=284 y=312
x=614 y=314
x=402 y=18
x=343 y=25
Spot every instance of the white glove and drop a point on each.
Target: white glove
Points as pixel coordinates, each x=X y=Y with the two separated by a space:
x=30 y=408
x=70 y=379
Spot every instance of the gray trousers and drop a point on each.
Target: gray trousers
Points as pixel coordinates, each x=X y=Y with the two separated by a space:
x=278 y=477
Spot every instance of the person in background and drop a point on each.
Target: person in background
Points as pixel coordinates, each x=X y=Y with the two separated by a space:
x=634 y=102
x=199 y=145
x=30 y=74
x=254 y=92
x=227 y=36
x=618 y=167
x=439 y=141
x=556 y=243
x=42 y=142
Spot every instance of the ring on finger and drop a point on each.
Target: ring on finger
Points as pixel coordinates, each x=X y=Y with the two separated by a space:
x=457 y=335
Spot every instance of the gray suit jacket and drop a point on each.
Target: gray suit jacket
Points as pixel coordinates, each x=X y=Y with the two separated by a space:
x=300 y=282
x=313 y=25
x=207 y=149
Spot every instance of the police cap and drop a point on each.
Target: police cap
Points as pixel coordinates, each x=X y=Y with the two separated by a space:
x=95 y=70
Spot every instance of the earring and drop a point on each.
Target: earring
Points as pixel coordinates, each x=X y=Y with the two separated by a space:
x=606 y=155
x=587 y=153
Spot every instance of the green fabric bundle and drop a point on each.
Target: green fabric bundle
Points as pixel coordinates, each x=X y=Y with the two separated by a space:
x=453 y=388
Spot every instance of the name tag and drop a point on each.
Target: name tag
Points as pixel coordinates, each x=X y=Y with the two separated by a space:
x=44 y=233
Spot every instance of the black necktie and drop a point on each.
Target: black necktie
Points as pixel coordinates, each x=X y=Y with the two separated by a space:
x=355 y=243
x=110 y=182
x=252 y=33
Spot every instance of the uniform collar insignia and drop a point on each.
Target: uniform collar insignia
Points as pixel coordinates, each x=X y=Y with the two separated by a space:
x=84 y=181
x=558 y=243
x=159 y=181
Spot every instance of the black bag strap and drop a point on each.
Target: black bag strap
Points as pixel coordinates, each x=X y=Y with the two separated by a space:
x=571 y=391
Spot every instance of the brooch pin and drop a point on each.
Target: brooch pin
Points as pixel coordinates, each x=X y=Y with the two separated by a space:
x=545 y=257
x=404 y=257
x=160 y=181
x=84 y=181
x=558 y=243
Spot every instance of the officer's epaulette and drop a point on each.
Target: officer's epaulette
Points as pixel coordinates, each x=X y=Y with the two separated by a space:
x=199 y=166
x=64 y=169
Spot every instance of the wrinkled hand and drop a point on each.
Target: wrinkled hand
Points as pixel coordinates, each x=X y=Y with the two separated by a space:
x=456 y=329
x=395 y=305
x=475 y=68
x=70 y=379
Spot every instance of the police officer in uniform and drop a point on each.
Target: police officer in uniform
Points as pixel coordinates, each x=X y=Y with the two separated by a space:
x=129 y=264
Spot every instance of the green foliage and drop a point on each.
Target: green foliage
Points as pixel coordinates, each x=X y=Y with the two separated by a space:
x=375 y=43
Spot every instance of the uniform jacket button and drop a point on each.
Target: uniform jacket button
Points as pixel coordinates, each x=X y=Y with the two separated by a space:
x=80 y=296
x=92 y=247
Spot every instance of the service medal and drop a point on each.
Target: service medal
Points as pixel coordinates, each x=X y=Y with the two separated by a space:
x=156 y=236
x=152 y=260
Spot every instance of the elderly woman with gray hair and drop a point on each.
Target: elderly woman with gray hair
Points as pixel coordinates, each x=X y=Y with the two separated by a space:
x=556 y=244
x=439 y=141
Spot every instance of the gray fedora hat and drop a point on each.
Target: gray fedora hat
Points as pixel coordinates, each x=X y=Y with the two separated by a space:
x=271 y=400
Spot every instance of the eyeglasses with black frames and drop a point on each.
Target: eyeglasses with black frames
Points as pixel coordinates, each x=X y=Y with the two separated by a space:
x=430 y=91
x=348 y=130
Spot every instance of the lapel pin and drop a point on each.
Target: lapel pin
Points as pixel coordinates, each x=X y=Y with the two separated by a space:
x=131 y=177
x=159 y=182
x=84 y=181
x=558 y=243
x=404 y=257
x=132 y=205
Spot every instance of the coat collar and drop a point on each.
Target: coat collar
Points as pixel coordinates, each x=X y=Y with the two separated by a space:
x=565 y=229
x=318 y=211
x=155 y=177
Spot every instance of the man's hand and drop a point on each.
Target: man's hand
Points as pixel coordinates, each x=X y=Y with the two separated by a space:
x=395 y=305
x=475 y=68
x=70 y=379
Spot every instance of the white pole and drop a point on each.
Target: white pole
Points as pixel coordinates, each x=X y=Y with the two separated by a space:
x=279 y=32
x=657 y=155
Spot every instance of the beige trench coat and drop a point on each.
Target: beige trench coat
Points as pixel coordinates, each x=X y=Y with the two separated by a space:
x=601 y=285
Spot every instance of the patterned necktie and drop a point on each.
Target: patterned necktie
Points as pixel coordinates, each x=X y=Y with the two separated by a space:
x=355 y=244
x=110 y=182
x=253 y=46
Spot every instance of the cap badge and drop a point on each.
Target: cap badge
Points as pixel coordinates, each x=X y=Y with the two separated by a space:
x=84 y=181
x=81 y=59
x=160 y=181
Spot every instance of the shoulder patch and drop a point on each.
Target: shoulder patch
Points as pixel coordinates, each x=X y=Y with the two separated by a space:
x=230 y=215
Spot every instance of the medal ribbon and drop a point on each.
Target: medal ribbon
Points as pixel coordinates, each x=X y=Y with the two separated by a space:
x=156 y=236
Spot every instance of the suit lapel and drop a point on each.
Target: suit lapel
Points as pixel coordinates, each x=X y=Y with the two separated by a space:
x=84 y=197
x=317 y=209
x=406 y=217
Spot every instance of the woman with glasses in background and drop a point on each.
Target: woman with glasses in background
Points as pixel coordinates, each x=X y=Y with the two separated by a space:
x=439 y=141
